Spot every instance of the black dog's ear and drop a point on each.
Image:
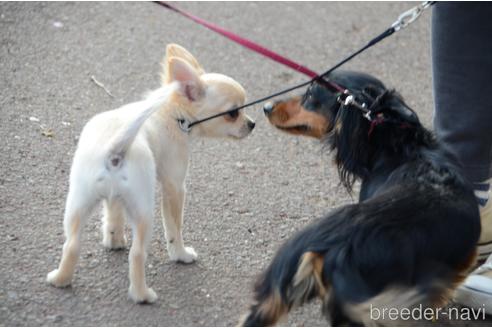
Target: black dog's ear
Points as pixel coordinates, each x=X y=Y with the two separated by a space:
x=398 y=106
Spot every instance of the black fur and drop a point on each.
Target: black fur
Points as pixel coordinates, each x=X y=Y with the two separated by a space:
x=416 y=224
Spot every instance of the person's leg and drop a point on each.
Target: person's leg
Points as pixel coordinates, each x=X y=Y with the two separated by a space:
x=462 y=77
x=462 y=69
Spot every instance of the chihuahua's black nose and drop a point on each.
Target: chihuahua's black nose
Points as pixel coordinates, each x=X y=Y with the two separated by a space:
x=251 y=125
x=268 y=108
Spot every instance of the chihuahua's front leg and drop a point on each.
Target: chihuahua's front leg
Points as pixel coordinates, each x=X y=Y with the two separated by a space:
x=172 y=202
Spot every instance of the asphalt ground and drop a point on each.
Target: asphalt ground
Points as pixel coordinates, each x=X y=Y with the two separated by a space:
x=244 y=198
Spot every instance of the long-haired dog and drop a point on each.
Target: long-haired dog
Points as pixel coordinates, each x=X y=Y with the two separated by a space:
x=408 y=242
x=122 y=153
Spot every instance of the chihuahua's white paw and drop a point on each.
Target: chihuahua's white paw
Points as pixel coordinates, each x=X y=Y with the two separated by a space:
x=146 y=296
x=58 y=279
x=185 y=255
x=114 y=240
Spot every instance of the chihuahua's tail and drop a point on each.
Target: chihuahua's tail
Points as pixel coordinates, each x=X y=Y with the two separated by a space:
x=123 y=139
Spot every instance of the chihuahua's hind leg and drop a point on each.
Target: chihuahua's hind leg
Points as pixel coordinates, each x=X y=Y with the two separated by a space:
x=79 y=205
x=139 y=292
x=172 y=201
x=139 y=209
x=141 y=221
x=113 y=224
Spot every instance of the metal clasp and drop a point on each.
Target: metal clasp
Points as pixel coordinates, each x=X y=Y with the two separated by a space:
x=409 y=16
x=349 y=100
x=184 y=125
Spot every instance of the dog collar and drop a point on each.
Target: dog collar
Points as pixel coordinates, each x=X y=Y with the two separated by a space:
x=184 y=125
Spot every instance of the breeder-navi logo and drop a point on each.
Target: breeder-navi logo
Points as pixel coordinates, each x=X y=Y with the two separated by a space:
x=430 y=314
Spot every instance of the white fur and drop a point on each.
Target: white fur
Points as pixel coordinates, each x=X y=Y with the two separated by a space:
x=123 y=153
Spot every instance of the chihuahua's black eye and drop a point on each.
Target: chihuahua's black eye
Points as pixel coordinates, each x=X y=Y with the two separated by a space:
x=234 y=114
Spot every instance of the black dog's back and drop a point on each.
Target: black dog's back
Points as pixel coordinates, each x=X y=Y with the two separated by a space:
x=410 y=240
x=368 y=248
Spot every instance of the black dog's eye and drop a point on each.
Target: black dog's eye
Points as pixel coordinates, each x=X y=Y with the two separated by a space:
x=308 y=95
x=234 y=114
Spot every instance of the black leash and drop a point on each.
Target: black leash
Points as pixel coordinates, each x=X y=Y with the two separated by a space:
x=403 y=21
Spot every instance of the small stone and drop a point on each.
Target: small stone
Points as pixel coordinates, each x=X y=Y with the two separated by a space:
x=55 y=318
x=13 y=237
x=48 y=133
x=12 y=295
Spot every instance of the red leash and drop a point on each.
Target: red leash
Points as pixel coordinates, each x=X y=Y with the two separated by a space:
x=244 y=42
x=403 y=20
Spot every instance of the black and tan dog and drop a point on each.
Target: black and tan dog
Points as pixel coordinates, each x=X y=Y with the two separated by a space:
x=408 y=242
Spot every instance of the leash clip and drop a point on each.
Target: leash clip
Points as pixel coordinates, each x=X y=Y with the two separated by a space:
x=409 y=16
x=184 y=125
x=345 y=98
x=349 y=100
x=367 y=115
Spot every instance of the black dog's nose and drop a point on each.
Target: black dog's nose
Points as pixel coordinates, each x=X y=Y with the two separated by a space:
x=251 y=125
x=268 y=108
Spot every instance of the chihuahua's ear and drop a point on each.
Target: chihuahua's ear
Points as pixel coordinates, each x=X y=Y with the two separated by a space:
x=180 y=71
x=174 y=50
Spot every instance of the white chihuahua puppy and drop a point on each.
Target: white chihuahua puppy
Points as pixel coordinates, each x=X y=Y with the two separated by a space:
x=123 y=153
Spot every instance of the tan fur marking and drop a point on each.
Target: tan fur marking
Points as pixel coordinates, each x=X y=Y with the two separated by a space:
x=338 y=126
x=273 y=308
x=311 y=265
x=463 y=270
x=289 y=114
